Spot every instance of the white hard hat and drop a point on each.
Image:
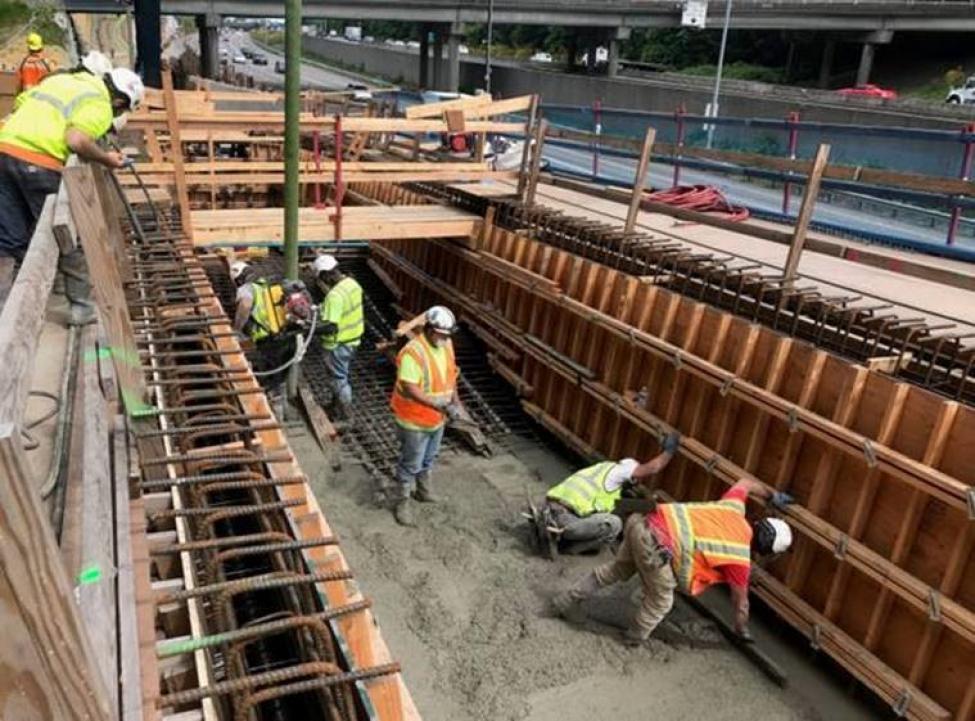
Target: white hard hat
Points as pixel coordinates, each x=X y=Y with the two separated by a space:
x=237 y=269
x=325 y=263
x=783 y=535
x=441 y=319
x=96 y=63
x=119 y=122
x=129 y=84
x=622 y=471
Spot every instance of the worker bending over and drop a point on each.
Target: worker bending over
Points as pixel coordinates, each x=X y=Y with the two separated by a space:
x=424 y=395
x=34 y=67
x=688 y=546
x=261 y=315
x=64 y=114
x=582 y=505
x=343 y=324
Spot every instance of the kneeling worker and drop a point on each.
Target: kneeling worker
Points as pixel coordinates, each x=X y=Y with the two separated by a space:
x=343 y=325
x=582 y=505
x=424 y=396
x=690 y=547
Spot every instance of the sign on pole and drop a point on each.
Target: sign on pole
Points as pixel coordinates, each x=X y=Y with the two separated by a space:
x=695 y=13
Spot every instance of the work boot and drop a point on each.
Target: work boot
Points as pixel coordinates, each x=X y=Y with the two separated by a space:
x=81 y=314
x=424 y=490
x=566 y=604
x=633 y=638
x=403 y=511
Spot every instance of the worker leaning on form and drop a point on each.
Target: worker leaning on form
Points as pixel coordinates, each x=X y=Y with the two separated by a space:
x=690 y=547
x=34 y=67
x=582 y=505
x=424 y=395
x=343 y=324
x=64 y=114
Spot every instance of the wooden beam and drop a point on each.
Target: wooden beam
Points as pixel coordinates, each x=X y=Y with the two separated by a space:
x=805 y=214
x=639 y=180
x=538 y=143
x=176 y=151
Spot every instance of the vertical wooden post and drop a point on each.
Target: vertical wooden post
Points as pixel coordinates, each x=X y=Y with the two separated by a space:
x=639 y=180
x=176 y=150
x=805 y=214
x=538 y=142
x=523 y=175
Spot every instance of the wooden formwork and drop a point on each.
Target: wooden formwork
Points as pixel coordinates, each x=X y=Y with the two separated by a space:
x=881 y=576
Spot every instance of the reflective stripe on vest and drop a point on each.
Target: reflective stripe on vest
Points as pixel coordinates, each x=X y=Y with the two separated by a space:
x=411 y=413
x=585 y=491
x=706 y=536
x=267 y=312
x=351 y=322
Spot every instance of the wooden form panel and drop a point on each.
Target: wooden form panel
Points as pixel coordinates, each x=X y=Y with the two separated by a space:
x=883 y=550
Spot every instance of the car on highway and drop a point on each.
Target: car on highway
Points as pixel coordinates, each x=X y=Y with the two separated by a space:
x=247 y=53
x=868 y=90
x=259 y=59
x=965 y=95
x=279 y=66
x=240 y=60
x=541 y=57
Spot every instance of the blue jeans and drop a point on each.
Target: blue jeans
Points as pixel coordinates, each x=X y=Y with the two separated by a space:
x=418 y=451
x=338 y=362
x=23 y=189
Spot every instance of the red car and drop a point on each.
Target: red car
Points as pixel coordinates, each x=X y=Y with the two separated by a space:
x=869 y=91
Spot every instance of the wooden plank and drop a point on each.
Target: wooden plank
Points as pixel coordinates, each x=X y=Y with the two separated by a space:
x=805 y=214
x=433 y=110
x=639 y=180
x=537 y=143
x=176 y=151
x=526 y=149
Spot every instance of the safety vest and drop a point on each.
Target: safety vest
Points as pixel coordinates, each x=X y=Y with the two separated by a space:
x=267 y=313
x=706 y=536
x=343 y=306
x=32 y=70
x=35 y=131
x=408 y=412
x=585 y=492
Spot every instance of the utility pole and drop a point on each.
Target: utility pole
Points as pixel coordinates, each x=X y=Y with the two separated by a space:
x=490 y=38
x=292 y=143
x=717 y=75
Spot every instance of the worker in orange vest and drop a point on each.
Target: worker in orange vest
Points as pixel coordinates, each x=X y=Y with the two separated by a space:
x=424 y=396
x=690 y=547
x=34 y=66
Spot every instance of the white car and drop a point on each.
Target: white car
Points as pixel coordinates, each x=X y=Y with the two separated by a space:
x=413 y=44
x=541 y=57
x=464 y=50
x=240 y=60
x=965 y=95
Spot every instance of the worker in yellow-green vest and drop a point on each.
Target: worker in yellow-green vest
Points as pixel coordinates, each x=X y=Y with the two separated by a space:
x=581 y=506
x=261 y=314
x=63 y=114
x=343 y=324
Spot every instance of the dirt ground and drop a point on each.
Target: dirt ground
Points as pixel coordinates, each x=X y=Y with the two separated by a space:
x=463 y=604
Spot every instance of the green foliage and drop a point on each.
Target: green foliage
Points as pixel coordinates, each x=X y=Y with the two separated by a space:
x=14 y=15
x=739 y=71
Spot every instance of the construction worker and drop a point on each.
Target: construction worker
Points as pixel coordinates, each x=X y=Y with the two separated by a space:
x=34 y=67
x=343 y=324
x=64 y=114
x=690 y=547
x=581 y=506
x=424 y=396
x=261 y=314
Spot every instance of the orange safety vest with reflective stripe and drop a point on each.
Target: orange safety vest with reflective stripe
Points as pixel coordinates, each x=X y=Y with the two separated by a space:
x=705 y=537
x=32 y=70
x=439 y=386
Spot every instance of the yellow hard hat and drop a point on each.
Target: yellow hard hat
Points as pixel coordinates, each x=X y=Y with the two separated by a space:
x=35 y=42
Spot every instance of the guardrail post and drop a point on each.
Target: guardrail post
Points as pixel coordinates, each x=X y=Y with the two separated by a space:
x=679 y=144
x=597 y=129
x=792 y=121
x=966 y=170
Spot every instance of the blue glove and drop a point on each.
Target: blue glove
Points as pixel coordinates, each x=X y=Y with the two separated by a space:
x=671 y=442
x=781 y=499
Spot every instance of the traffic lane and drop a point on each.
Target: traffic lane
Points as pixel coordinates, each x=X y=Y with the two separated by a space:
x=311 y=75
x=740 y=192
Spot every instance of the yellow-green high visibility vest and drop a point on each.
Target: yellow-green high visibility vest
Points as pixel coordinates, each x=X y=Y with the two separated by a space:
x=267 y=312
x=35 y=131
x=343 y=307
x=585 y=493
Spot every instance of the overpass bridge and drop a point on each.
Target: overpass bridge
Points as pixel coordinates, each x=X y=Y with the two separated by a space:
x=599 y=22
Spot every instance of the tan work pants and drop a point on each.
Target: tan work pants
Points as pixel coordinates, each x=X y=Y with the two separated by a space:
x=641 y=554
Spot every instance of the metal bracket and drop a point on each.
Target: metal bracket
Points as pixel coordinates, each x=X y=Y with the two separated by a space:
x=817 y=633
x=631 y=332
x=903 y=703
x=869 y=453
x=726 y=386
x=793 y=419
x=841 y=545
x=712 y=462
x=677 y=360
x=934 y=605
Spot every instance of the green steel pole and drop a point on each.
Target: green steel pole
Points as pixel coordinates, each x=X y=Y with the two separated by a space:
x=292 y=111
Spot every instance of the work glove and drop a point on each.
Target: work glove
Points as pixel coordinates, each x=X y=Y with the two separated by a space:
x=781 y=499
x=671 y=442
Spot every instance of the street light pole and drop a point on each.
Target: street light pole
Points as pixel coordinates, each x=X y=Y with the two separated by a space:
x=717 y=76
x=487 y=57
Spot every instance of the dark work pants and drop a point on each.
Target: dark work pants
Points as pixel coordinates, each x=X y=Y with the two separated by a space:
x=23 y=188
